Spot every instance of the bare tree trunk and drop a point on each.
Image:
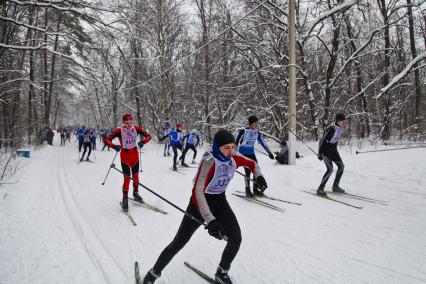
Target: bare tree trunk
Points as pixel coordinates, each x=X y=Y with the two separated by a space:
x=418 y=90
x=52 y=75
x=206 y=65
x=99 y=107
x=385 y=133
x=365 y=120
x=31 y=93
x=45 y=70
x=330 y=69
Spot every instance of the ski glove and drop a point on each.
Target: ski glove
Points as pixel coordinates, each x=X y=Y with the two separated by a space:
x=215 y=229
x=261 y=183
x=140 y=144
x=320 y=157
x=117 y=148
x=271 y=156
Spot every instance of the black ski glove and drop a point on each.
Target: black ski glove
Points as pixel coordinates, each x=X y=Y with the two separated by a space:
x=271 y=156
x=140 y=144
x=117 y=148
x=261 y=183
x=320 y=157
x=215 y=229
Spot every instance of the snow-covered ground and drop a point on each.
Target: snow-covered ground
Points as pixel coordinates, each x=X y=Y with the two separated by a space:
x=58 y=224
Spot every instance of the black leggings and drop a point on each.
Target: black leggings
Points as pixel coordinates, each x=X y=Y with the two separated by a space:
x=85 y=146
x=248 y=172
x=175 y=152
x=224 y=214
x=329 y=164
x=187 y=147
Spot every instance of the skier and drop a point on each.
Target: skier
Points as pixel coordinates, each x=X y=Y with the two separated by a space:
x=327 y=151
x=80 y=134
x=246 y=139
x=62 y=132
x=192 y=141
x=175 y=141
x=86 y=144
x=68 y=135
x=166 y=131
x=94 y=135
x=127 y=135
x=208 y=202
x=104 y=134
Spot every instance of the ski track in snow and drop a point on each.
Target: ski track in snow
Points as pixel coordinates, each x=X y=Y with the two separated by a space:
x=59 y=224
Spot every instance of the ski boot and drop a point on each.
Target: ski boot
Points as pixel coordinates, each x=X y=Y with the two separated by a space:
x=87 y=159
x=338 y=189
x=81 y=159
x=321 y=192
x=125 y=204
x=249 y=193
x=184 y=165
x=137 y=197
x=257 y=192
x=174 y=167
x=164 y=154
x=222 y=276
x=150 y=277
x=168 y=154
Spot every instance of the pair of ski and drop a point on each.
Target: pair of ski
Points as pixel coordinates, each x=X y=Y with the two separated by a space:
x=355 y=196
x=273 y=198
x=197 y=271
x=259 y=202
x=143 y=204
x=89 y=161
x=179 y=168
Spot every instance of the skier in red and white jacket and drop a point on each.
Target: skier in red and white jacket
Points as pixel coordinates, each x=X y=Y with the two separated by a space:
x=208 y=202
x=127 y=134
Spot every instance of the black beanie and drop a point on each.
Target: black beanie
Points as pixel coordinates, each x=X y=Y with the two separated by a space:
x=340 y=116
x=223 y=137
x=252 y=119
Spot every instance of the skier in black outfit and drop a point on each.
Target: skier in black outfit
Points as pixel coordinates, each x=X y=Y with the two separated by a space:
x=246 y=139
x=208 y=202
x=87 y=143
x=327 y=151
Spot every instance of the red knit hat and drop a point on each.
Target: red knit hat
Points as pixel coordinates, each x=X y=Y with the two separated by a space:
x=127 y=116
x=178 y=125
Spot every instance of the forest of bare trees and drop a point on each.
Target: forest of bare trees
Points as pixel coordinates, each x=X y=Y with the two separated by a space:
x=211 y=63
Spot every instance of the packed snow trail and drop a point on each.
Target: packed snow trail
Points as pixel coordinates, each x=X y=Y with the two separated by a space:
x=58 y=224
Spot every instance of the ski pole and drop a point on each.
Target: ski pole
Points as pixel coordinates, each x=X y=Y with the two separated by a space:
x=140 y=158
x=112 y=165
x=261 y=152
x=162 y=198
x=393 y=149
x=313 y=151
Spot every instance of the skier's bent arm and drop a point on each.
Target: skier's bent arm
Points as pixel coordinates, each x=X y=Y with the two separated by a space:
x=206 y=169
x=243 y=161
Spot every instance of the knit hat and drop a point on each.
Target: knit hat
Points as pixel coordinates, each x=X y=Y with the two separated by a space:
x=340 y=116
x=252 y=119
x=223 y=137
x=127 y=116
x=178 y=125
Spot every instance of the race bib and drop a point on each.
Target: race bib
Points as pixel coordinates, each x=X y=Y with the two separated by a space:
x=129 y=137
x=224 y=172
x=250 y=137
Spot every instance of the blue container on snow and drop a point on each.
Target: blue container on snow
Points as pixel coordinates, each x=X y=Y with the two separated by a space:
x=23 y=153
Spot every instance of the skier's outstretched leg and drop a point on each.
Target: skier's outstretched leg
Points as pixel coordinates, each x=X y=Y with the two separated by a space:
x=183 y=235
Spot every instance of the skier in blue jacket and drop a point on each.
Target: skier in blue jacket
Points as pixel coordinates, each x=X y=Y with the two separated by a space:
x=175 y=141
x=192 y=140
x=246 y=140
